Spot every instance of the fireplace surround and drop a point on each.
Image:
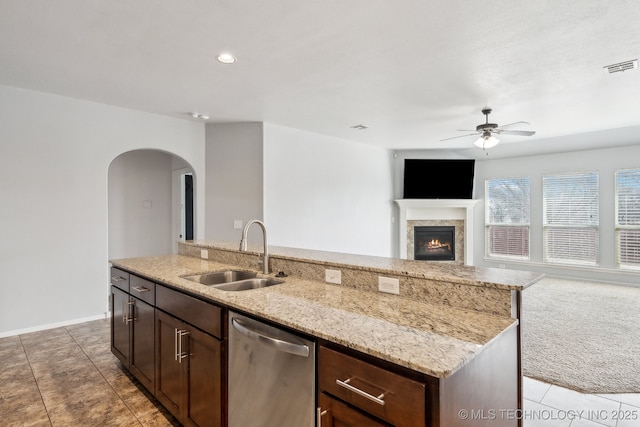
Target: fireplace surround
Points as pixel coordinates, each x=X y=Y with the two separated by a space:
x=437 y=212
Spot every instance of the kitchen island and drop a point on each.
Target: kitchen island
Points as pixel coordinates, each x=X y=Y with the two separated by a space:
x=454 y=328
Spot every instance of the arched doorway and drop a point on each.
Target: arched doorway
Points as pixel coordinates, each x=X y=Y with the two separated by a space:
x=150 y=199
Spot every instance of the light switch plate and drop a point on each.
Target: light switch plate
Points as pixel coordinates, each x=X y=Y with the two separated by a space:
x=333 y=276
x=389 y=285
x=204 y=254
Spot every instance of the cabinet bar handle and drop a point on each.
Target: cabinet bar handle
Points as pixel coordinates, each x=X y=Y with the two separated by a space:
x=118 y=278
x=175 y=344
x=356 y=390
x=320 y=413
x=141 y=289
x=126 y=311
x=128 y=318
x=180 y=354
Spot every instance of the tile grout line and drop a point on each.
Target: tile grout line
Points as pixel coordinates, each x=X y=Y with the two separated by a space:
x=586 y=394
x=105 y=378
x=44 y=405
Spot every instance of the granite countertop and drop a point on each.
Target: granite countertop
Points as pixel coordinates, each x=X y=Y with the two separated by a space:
x=433 y=339
x=444 y=272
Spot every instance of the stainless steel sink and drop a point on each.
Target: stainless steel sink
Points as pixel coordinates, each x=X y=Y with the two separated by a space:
x=244 y=285
x=219 y=277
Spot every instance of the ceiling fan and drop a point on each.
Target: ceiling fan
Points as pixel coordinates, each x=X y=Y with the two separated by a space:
x=487 y=131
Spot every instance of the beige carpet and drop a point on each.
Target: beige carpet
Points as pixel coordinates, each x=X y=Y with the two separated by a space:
x=582 y=335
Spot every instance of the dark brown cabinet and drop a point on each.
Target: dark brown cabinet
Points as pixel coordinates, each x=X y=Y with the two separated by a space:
x=142 y=352
x=133 y=325
x=120 y=330
x=189 y=361
x=356 y=393
x=334 y=413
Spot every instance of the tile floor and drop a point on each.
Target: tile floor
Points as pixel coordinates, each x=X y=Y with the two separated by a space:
x=549 y=405
x=68 y=377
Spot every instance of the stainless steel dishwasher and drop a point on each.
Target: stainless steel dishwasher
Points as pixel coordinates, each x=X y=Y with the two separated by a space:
x=271 y=376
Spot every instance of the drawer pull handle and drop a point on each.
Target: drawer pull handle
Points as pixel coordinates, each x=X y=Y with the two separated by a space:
x=379 y=399
x=141 y=289
x=118 y=278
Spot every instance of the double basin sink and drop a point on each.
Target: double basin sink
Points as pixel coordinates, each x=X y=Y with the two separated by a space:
x=233 y=280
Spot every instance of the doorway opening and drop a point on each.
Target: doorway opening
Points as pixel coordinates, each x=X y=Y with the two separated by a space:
x=186 y=206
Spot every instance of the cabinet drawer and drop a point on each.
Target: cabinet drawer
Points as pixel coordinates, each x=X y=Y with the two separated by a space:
x=120 y=279
x=142 y=289
x=200 y=314
x=384 y=394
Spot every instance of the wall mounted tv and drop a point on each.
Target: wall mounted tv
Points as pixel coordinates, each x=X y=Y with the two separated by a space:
x=438 y=179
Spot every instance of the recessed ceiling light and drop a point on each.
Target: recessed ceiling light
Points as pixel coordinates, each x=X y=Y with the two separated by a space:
x=226 y=58
x=199 y=116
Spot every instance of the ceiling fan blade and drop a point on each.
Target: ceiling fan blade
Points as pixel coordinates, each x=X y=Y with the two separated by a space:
x=467 y=130
x=460 y=136
x=515 y=132
x=513 y=124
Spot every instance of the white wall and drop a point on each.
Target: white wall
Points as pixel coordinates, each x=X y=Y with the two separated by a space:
x=605 y=161
x=234 y=187
x=326 y=193
x=140 y=204
x=53 y=185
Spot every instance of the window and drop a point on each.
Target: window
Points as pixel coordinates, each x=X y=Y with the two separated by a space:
x=628 y=218
x=507 y=217
x=570 y=206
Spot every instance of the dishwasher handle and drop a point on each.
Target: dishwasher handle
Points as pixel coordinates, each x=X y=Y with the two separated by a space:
x=276 y=343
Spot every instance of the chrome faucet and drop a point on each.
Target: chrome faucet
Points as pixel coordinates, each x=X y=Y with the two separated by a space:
x=243 y=243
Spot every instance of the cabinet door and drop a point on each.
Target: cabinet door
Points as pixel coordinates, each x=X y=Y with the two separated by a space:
x=204 y=397
x=120 y=318
x=142 y=356
x=170 y=371
x=334 y=413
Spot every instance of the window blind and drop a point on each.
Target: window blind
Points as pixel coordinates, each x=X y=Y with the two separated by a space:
x=507 y=217
x=628 y=218
x=571 y=218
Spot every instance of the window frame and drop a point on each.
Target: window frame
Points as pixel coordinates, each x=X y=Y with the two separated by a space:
x=489 y=224
x=619 y=228
x=560 y=223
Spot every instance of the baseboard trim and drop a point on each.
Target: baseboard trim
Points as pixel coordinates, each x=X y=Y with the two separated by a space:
x=53 y=325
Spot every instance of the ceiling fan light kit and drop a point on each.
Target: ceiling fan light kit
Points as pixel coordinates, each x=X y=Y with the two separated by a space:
x=486 y=141
x=487 y=132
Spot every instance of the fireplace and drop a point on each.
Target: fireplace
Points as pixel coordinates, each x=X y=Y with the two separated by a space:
x=437 y=213
x=434 y=243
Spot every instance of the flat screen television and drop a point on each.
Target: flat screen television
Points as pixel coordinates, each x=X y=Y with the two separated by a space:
x=438 y=179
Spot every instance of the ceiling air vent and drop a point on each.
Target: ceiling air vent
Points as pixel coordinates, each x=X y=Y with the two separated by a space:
x=621 y=66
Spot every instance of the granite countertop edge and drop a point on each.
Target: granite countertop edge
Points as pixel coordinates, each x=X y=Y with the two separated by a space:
x=388 y=327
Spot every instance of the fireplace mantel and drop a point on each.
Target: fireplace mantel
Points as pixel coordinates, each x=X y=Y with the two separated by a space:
x=438 y=209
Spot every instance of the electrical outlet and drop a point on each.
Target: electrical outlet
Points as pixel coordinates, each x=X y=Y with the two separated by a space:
x=389 y=285
x=502 y=266
x=204 y=254
x=237 y=224
x=333 y=276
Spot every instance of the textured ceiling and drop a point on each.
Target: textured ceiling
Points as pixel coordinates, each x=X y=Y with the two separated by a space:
x=413 y=71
